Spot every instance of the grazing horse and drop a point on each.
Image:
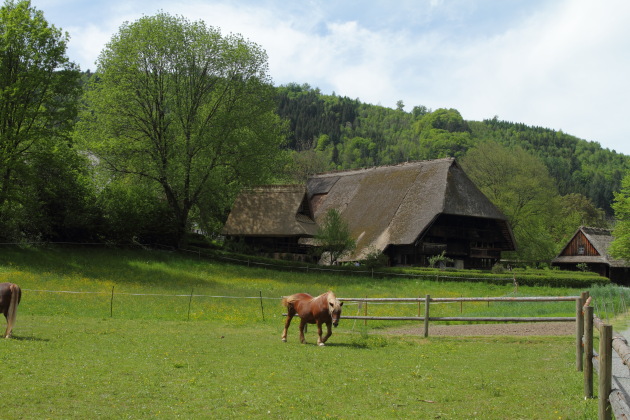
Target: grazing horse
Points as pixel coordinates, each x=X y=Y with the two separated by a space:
x=324 y=309
x=10 y=296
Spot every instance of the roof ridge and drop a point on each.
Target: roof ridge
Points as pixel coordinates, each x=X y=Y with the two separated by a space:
x=285 y=187
x=595 y=229
x=371 y=168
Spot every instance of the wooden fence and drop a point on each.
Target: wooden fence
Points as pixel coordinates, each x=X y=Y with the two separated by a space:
x=609 y=400
x=428 y=300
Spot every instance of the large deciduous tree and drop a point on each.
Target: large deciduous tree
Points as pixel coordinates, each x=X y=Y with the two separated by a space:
x=520 y=185
x=39 y=90
x=176 y=103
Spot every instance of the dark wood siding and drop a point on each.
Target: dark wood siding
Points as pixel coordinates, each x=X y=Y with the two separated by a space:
x=579 y=246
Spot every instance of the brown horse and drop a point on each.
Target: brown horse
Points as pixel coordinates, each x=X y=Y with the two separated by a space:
x=10 y=296
x=324 y=309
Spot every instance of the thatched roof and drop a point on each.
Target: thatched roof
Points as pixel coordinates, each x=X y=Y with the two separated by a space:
x=272 y=210
x=600 y=239
x=394 y=205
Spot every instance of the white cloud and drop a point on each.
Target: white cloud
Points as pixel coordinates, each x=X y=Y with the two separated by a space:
x=561 y=65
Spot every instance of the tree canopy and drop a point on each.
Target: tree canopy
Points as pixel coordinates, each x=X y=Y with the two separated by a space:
x=620 y=247
x=520 y=185
x=333 y=236
x=179 y=105
x=39 y=91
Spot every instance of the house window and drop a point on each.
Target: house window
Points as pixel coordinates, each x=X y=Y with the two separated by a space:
x=581 y=250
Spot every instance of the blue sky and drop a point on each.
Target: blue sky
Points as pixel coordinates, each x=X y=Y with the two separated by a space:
x=559 y=64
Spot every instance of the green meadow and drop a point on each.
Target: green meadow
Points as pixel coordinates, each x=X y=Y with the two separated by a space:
x=184 y=337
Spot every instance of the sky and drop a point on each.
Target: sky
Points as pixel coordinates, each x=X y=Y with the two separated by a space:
x=558 y=64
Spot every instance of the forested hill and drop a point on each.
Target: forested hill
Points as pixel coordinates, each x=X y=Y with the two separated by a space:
x=343 y=133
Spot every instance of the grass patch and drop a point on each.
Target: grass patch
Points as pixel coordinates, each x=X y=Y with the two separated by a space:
x=61 y=367
x=70 y=359
x=157 y=285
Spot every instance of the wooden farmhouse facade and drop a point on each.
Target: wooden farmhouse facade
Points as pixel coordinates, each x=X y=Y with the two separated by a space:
x=589 y=247
x=409 y=212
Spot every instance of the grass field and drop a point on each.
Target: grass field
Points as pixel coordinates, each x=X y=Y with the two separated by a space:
x=70 y=359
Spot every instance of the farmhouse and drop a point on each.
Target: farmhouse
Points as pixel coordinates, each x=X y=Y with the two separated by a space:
x=409 y=212
x=272 y=219
x=588 y=248
x=413 y=211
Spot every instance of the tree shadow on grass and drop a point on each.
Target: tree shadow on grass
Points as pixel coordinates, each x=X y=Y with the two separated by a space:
x=29 y=338
x=123 y=266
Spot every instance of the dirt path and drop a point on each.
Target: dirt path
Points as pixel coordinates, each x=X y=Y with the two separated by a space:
x=517 y=329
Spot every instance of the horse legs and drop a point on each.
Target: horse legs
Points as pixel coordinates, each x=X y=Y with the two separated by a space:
x=7 y=332
x=321 y=340
x=290 y=315
x=302 y=326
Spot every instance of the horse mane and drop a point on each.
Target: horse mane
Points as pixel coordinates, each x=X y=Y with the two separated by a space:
x=331 y=298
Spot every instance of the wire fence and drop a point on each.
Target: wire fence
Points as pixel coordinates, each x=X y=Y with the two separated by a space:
x=610 y=301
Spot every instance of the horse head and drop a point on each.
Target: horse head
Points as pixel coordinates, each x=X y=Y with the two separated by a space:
x=334 y=308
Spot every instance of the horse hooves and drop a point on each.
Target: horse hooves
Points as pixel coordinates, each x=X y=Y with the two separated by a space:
x=321 y=344
x=284 y=340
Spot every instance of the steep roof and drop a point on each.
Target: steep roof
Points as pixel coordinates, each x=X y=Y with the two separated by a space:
x=600 y=239
x=271 y=210
x=394 y=205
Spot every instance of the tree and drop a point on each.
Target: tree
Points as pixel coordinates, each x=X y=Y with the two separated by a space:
x=177 y=104
x=305 y=164
x=577 y=210
x=620 y=246
x=519 y=184
x=39 y=89
x=333 y=236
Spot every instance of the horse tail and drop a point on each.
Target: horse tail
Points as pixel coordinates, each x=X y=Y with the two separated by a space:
x=16 y=295
x=288 y=300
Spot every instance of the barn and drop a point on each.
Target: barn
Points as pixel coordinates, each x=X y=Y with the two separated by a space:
x=409 y=212
x=588 y=249
x=413 y=211
x=272 y=220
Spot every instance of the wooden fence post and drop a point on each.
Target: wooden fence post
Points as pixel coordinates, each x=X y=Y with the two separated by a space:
x=111 y=304
x=605 y=372
x=588 y=352
x=190 y=302
x=426 y=315
x=262 y=309
x=579 y=333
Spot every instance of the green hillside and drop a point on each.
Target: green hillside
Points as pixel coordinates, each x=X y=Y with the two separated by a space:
x=342 y=133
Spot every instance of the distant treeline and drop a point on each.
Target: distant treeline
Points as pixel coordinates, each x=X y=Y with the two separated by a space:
x=344 y=133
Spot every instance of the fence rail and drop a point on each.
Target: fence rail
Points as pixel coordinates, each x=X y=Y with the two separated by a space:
x=468 y=299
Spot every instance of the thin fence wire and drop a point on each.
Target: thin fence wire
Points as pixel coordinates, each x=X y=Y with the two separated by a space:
x=152 y=294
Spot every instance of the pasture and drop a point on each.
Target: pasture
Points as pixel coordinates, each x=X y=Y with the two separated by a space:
x=70 y=359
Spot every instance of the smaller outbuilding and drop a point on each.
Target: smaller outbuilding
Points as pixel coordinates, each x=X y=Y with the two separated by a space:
x=588 y=249
x=272 y=220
